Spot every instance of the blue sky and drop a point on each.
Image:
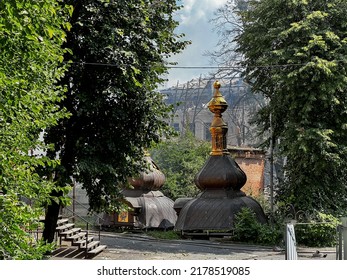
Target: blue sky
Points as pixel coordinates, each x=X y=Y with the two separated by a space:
x=194 y=20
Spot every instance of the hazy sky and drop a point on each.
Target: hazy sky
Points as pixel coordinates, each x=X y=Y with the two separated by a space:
x=194 y=20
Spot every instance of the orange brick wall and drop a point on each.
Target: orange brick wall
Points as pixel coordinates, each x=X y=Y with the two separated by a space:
x=252 y=162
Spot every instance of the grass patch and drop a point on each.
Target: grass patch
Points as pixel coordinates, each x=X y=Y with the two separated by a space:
x=159 y=234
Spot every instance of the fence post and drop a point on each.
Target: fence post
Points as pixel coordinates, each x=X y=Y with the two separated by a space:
x=285 y=242
x=344 y=236
x=339 y=246
x=290 y=242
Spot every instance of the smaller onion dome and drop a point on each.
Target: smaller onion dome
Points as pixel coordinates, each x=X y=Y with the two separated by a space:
x=151 y=179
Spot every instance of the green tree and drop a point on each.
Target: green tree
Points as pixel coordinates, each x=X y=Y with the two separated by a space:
x=118 y=54
x=31 y=38
x=297 y=59
x=180 y=159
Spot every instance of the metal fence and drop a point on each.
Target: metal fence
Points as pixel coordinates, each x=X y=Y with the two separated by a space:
x=291 y=246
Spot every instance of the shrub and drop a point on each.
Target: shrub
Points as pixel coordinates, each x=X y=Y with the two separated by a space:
x=248 y=229
x=318 y=233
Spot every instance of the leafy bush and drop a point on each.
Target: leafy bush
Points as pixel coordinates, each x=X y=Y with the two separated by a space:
x=248 y=229
x=319 y=233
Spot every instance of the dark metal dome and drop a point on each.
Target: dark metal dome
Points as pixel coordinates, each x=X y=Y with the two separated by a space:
x=220 y=181
x=220 y=172
x=150 y=179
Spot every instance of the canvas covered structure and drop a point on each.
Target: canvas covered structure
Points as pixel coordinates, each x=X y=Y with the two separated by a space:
x=148 y=207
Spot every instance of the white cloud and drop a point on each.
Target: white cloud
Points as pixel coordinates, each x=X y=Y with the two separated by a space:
x=194 y=20
x=197 y=10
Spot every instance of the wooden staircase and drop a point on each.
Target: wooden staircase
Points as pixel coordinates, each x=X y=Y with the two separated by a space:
x=75 y=242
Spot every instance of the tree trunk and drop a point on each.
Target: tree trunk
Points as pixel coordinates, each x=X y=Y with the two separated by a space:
x=51 y=219
x=51 y=222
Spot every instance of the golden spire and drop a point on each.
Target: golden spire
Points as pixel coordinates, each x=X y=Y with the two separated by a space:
x=218 y=127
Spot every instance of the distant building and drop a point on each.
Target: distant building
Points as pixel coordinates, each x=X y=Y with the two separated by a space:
x=191 y=112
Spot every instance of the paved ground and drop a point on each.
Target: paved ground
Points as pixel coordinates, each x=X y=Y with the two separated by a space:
x=125 y=246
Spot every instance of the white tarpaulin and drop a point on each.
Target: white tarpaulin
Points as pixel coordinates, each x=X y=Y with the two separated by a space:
x=291 y=253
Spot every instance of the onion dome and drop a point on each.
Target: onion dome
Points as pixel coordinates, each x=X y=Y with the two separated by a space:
x=220 y=170
x=220 y=181
x=151 y=179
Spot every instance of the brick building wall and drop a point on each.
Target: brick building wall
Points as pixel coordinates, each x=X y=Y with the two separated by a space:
x=252 y=162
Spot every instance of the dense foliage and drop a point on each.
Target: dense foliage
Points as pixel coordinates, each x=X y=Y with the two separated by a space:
x=31 y=38
x=248 y=229
x=118 y=56
x=318 y=233
x=180 y=159
x=297 y=59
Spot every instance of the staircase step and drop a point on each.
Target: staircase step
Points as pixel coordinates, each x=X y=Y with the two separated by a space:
x=82 y=242
x=76 y=237
x=70 y=232
x=62 y=221
x=64 y=227
x=97 y=250
x=90 y=246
